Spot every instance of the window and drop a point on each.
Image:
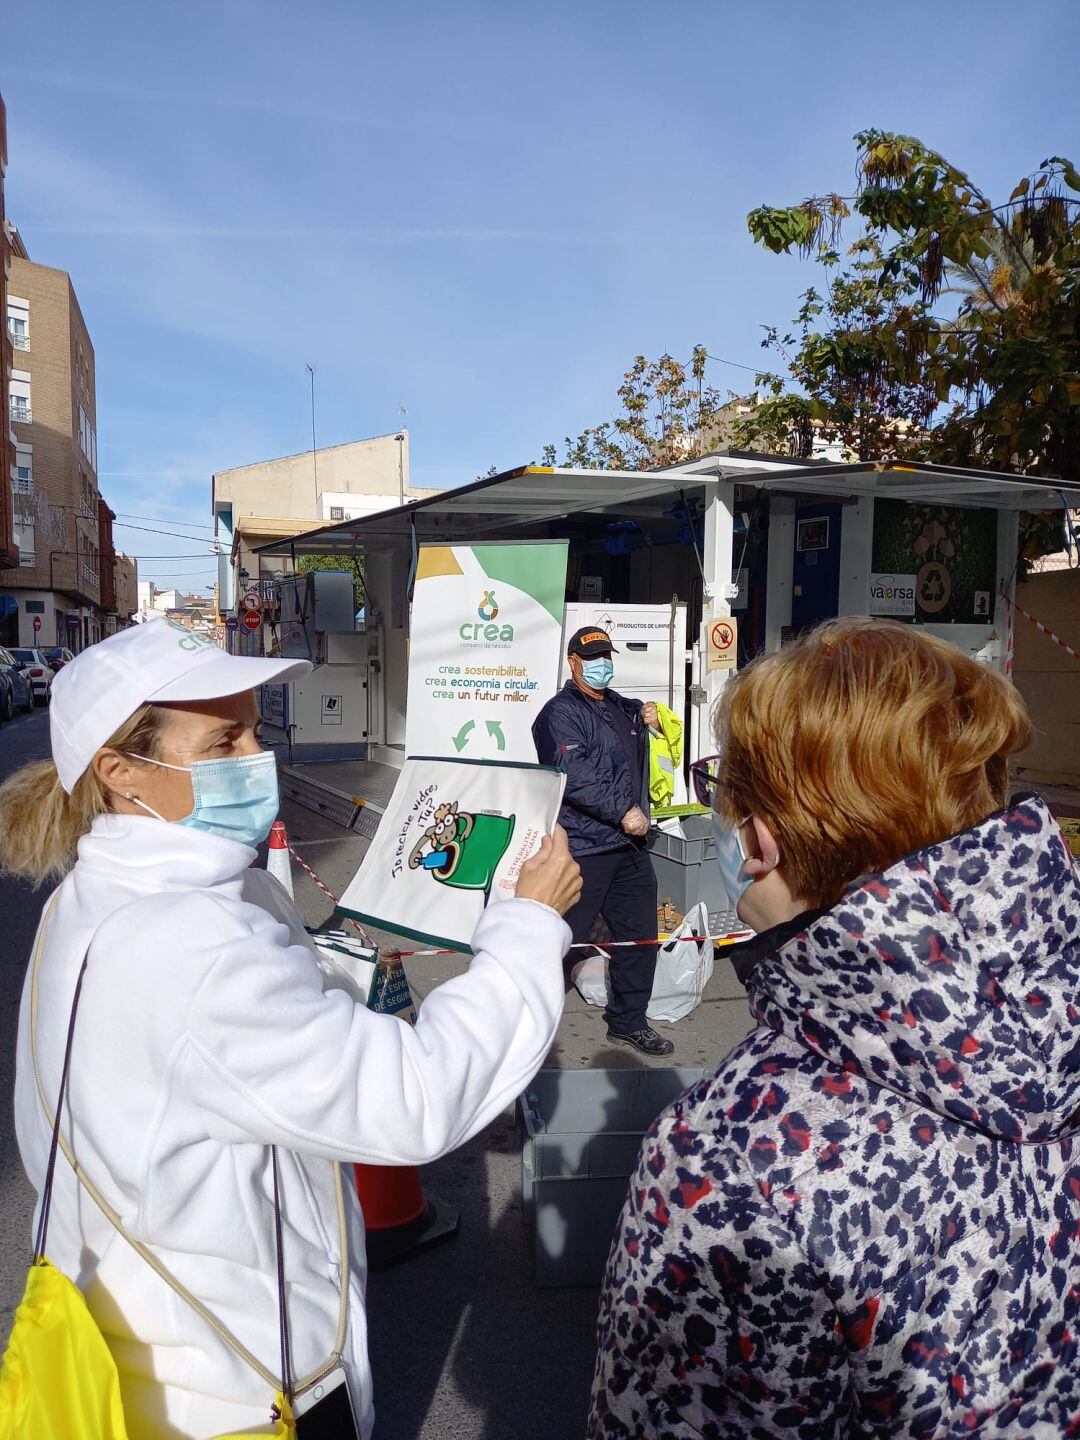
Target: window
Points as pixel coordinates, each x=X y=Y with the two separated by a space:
x=22 y=482
x=18 y=322
x=19 y=397
x=24 y=539
x=87 y=438
x=337 y=512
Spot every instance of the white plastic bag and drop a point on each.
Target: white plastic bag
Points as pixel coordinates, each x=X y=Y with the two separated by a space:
x=683 y=969
x=590 y=978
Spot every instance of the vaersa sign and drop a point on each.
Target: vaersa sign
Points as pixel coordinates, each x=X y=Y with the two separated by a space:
x=892 y=595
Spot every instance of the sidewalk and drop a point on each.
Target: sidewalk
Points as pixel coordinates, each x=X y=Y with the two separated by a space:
x=463 y=1344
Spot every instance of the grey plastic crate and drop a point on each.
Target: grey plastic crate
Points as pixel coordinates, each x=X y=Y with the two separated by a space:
x=686 y=869
x=583 y=1130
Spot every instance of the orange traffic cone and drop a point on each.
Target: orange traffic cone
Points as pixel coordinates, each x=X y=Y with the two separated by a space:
x=278 y=863
x=398 y=1217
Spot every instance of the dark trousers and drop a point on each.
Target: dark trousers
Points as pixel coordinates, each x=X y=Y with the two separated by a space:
x=620 y=885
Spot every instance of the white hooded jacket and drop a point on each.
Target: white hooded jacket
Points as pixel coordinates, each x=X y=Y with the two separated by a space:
x=203 y=1036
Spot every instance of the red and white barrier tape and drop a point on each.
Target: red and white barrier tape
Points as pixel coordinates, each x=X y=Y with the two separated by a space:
x=1041 y=627
x=310 y=873
x=581 y=945
x=605 y=945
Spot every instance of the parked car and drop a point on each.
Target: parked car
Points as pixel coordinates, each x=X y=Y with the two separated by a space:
x=58 y=657
x=39 y=670
x=16 y=687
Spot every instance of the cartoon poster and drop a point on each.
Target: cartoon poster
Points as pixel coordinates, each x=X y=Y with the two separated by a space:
x=452 y=841
x=484 y=645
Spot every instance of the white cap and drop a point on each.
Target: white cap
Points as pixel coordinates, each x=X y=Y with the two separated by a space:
x=159 y=662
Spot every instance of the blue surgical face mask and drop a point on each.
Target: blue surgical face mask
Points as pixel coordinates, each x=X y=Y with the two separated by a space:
x=236 y=797
x=731 y=856
x=598 y=672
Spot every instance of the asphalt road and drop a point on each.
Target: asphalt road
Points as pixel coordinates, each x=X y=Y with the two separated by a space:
x=463 y=1342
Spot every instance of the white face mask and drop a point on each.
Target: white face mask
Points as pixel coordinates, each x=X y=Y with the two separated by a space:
x=235 y=797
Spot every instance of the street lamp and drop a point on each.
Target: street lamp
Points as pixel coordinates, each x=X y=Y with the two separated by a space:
x=400 y=438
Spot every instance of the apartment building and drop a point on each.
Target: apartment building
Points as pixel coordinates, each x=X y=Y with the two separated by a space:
x=60 y=525
x=126 y=589
x=255 y=504
x=9 y=554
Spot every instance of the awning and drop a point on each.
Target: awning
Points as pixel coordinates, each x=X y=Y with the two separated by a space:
x=532 y=495
x=926 y=484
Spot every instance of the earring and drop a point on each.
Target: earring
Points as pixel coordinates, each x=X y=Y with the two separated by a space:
x=128 y=795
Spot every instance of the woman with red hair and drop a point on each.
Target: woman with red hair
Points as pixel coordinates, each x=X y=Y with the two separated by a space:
x=865 y=1222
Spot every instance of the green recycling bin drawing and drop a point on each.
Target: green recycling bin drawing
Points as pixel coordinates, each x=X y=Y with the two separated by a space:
x=463 y=850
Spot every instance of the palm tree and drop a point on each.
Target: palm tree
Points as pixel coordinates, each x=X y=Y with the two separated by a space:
x=996 y=281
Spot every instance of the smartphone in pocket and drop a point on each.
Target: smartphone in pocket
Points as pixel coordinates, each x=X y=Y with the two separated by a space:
x=325 y=1411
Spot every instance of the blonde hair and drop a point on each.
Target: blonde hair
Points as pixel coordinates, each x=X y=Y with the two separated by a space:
x=41 y=824
x=863 y=742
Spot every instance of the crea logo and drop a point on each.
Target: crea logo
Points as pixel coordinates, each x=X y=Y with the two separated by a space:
x=189 y=639
x=488 y=609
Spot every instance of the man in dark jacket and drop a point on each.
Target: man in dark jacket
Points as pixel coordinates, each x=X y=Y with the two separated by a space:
x=600 y=739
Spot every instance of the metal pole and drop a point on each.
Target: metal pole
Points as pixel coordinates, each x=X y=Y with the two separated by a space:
x=401 y=455
x=671 y=652
x=314 y=461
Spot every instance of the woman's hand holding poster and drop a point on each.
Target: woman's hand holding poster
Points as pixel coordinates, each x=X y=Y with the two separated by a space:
x=452 y=841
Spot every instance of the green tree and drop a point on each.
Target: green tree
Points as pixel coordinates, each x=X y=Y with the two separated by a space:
x=989 y=378
x=306 y=563
x=667 y=414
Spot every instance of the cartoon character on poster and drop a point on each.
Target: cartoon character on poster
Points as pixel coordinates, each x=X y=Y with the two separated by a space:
x=461 y=849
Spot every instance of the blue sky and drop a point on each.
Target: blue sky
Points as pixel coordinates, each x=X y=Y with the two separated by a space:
x=480 y=211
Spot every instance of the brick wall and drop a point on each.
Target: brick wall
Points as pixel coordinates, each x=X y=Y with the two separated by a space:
x=107 y=554
x=1049 y=679
x=60 y=363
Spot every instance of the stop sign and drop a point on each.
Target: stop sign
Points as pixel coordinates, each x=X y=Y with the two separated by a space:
x=251 y=619
x=37 y=623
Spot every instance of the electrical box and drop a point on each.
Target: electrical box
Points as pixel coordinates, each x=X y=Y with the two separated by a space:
x=329 y=706
x=317 y=623
x=314 y=606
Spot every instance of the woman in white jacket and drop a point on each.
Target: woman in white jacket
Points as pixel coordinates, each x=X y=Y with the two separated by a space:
x=203 y=1037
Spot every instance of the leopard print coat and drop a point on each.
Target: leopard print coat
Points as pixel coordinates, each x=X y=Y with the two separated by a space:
x=866 y=1222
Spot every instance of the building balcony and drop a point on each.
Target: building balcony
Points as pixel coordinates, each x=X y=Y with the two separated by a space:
x=20 y=412
x=20 y=342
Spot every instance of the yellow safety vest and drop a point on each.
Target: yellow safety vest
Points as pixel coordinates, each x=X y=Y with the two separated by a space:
x=665 y=756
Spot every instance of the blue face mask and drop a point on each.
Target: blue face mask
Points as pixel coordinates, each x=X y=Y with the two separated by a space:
x=598 y=672
x=236 y=798
x=731 y=856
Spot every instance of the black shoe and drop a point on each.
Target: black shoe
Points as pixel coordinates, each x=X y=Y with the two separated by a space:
x=646 y=1041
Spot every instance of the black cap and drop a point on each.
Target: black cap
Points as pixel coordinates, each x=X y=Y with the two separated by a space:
x=590 y=640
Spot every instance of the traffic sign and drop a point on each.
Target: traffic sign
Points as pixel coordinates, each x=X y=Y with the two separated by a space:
x=251 y=619
x=37 y=623
x=723 y=642
x=250 y=601
x=231 y=622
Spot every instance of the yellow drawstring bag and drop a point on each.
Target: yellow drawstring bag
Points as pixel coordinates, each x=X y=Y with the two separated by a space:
x=58 y=1379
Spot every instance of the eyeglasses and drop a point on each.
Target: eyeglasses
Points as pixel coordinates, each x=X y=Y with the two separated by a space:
x=705 y=779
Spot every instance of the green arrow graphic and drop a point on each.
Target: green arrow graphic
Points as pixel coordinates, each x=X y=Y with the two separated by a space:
x=494 y=727
x=462 y=735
